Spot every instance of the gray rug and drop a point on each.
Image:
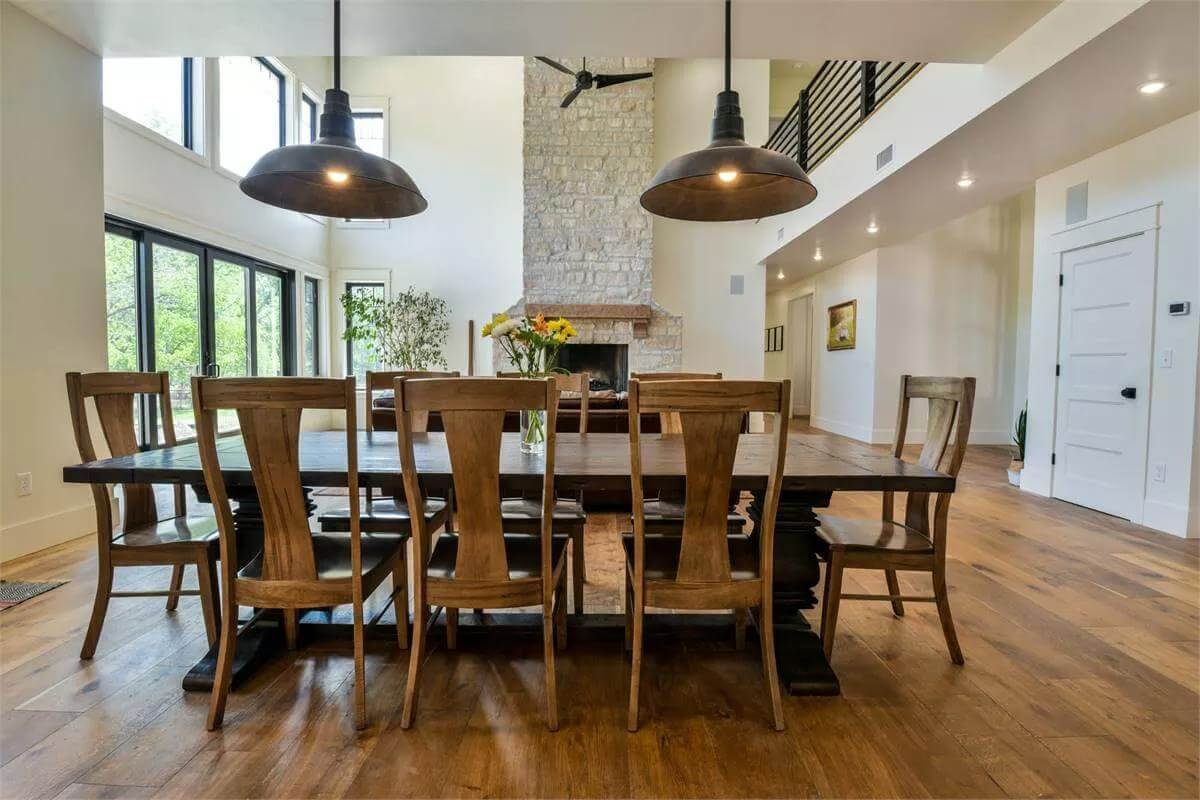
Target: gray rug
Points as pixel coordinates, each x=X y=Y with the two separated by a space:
x=16 y=592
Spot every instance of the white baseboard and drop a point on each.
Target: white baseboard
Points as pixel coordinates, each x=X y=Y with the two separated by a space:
x=917 y=436
x=858 y=432
x=1169 y=518
x=32 y=535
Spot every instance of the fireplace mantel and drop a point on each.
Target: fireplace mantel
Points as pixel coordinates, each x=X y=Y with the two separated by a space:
x=639 y=315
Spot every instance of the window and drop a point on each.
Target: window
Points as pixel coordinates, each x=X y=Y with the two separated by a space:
x=253 y=111
x=153 y=92
x=369 y=132
x=186 y=308
x=311 y=342
x=359 y=357
x=308 y=119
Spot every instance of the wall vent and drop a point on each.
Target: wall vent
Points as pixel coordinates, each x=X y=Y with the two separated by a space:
x=883 y=157
x=737 y=284
x=1077 y=202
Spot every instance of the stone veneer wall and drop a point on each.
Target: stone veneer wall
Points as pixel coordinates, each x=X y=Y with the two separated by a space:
x=587 y=239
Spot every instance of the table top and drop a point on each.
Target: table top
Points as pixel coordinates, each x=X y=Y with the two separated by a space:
x=595 y=460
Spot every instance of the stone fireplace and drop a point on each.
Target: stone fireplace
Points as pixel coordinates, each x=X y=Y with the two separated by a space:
x=607 y=365
x=588 y=244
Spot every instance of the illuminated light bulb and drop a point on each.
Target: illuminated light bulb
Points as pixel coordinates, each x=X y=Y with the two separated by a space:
x=817 y=255
x=727 y=175
x=337 y=176
x=872 y=228
x=1152 y=87
x=965 y=182
x=780 y=275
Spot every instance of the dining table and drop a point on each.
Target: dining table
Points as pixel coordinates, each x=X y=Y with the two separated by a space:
x=816 y=466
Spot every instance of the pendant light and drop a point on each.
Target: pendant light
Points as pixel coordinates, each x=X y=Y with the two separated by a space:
x=333 y=176
x=728 y=180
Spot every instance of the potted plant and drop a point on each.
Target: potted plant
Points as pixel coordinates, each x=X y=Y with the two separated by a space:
x=1018 y=463
x=531 y=344
x=405 y=332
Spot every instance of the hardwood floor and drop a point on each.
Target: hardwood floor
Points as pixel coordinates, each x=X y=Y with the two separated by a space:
x=1080 y=635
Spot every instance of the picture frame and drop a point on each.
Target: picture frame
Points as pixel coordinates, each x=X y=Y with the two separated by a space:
x=843 y=322
x=773 y=340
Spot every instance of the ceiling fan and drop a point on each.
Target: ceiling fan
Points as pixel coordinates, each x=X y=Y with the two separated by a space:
x=586 y=80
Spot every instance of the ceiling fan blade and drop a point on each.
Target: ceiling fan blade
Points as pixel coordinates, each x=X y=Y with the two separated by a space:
x=570 y=96
x=613 y=80
x=551 y=62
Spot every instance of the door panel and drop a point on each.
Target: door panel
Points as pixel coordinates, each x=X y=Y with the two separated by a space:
x=176 y=279
x=268 y=304
x=1104 y=347
x=231 y=328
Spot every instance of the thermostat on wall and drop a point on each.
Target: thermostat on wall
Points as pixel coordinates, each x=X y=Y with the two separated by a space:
x=1179 y=309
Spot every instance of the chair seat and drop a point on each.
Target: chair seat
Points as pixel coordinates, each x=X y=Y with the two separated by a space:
x=662 y=556
x=523 y=552
x=863 y=534
x=194 y=530
x=668 y=514
x=529 y=509
x=384 y=515
x=331 y=551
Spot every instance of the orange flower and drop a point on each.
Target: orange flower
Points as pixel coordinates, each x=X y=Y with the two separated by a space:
x=539 y=324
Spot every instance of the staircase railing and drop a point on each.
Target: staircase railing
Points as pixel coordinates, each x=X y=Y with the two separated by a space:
x=836 y=101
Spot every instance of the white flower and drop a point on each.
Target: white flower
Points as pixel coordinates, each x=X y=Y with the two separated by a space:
x=505 y=328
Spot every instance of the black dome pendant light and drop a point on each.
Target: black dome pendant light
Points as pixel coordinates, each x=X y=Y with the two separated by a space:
x=729 y=180
x=333 y=176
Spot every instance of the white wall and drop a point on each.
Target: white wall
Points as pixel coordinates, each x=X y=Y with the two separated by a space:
x=1159 y=167
x=456 y=126
x=693 y=261
x=52 y=280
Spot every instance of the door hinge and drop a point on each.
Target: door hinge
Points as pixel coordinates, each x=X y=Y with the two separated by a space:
x=1060 y=279
x=1052 y=457
x=1057 y=370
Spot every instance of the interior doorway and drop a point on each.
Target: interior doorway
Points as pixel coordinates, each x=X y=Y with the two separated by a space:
x=799 y=353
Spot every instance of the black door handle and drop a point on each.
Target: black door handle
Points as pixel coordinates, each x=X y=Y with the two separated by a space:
x=1129 y=392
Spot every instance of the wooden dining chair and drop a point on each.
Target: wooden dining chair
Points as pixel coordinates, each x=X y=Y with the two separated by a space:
x=705 y=568
x=480 y=565
x=297 y=569
x=524 y=514
x=144 y=538
x=387 y=514
x=918 y=544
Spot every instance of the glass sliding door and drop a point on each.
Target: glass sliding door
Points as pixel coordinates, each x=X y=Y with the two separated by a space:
x=231 y=327
x=121 y=300
x=270 y=355
x=177 y=284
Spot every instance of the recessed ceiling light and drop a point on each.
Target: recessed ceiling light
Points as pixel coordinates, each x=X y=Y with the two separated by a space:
x=780 y=275
x=817 y=255
x=965 y=182
x=873 y=228
x=1152 y=87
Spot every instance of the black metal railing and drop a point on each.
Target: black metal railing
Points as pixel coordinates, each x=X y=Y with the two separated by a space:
x=836 y=101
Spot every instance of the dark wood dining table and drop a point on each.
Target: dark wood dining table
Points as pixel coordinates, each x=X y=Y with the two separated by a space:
x=816 y=466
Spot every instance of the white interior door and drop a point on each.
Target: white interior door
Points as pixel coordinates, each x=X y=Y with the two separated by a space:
x=799 y=351
x=1104 y=383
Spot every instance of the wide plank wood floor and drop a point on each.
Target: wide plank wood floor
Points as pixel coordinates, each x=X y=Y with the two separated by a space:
x=1080 y=633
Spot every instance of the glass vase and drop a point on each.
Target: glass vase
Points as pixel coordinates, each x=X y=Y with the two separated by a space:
x=533 y=431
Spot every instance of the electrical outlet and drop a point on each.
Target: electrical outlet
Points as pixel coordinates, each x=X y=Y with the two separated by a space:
x=1166 y=358
x=1160 y=472
x=24 y=483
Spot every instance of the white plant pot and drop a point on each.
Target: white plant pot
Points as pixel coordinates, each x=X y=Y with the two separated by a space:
x=1014 y=472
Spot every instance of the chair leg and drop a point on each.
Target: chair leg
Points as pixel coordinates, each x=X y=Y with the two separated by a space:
x=739 y=628
x=206 y=572
x=104 y=579
x=766 y=636
x=176 y=585
x=451 y=628
x=894 y=589
x=291 y=627
x=833 y=597
x=628 y=611
x=560 y=612
x=416 y=655
x=635 y=673
x=360 y=669
x=225 y=653
x=548 y=655
x=943 y=607
x=578 y=573
x=400 y=600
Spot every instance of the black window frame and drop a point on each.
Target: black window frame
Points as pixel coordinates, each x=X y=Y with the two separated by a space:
x=313 y=118
x=347 y=287
x=188 y=103
x=316 y=316
x=144 y=238
x=372 y=114
x=278 y=73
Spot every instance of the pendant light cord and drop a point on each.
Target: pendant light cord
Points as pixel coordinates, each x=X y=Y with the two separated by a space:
x=337 y=45
x=728 y=15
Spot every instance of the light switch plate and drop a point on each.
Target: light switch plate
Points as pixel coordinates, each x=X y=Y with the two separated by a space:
x=1166 y=358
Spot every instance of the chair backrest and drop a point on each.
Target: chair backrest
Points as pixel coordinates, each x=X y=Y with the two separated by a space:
x=951 y=401
x=578 y=382
x=113 y=394
x=668 y=422
x=472 y=411
x=710 y=414
x=269 y=411
x=382 y=381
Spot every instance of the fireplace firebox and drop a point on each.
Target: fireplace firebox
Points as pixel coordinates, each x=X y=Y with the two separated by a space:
x=606 y=364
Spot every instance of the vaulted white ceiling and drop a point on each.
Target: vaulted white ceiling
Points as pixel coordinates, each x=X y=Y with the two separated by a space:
x=969 y=31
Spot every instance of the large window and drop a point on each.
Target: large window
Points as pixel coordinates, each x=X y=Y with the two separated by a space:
x=308 y=119
x=189 y=309
x=154 y=92
x=369 y=132
x=311 y=342
x=253 y=111
x=359 y=357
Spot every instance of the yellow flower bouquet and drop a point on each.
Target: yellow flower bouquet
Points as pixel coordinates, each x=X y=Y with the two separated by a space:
x=531 y=344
